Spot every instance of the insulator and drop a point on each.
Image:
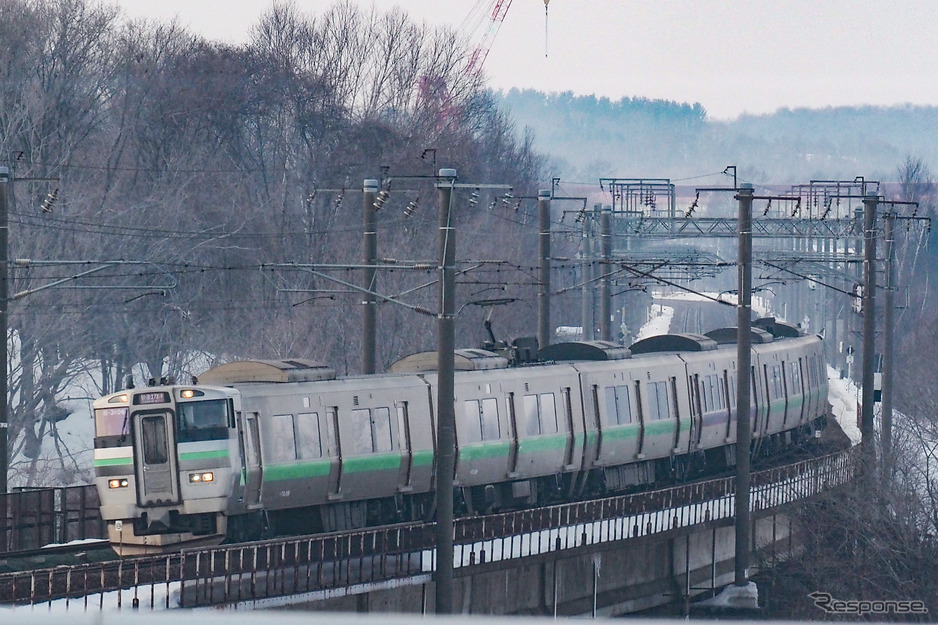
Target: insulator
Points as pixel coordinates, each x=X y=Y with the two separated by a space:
x=383 y=196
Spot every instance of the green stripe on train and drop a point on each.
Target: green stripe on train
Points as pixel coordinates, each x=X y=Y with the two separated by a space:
x=542 y=443
x=203 y=455
x=375 y=462
x=423 y=458
x=109 y=462
x=479 y=451
x=297 y=470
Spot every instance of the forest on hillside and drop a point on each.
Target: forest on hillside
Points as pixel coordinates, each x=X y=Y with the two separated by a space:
x=176 y=195
x=589 y=137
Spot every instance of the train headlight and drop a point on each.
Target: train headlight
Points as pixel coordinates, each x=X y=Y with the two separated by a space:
x=118 y=483
x=196 y=478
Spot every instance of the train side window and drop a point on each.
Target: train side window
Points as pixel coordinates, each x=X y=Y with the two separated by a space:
x=282 y=443
x=778 y=386
x=381 y=430
x=706 y=393
x=308 y=437
x=473 y=420
x=658 y=405
x=611 y=418
x=548 y=413
x=623 y=405
x=491 y=430
x=531 y=419
x=362 y=442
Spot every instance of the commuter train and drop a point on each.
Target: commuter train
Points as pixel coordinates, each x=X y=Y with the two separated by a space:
x=258 y=447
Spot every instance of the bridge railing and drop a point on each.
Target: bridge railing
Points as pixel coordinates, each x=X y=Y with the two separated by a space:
x=331 y=564
x=33 y=517
x=580 y=524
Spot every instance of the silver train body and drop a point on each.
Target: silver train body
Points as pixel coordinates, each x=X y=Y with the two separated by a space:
x=286 y=446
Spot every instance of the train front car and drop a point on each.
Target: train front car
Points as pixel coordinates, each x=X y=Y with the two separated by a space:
x=163 y=463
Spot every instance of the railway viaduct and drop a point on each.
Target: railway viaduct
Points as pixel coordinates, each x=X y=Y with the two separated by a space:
x=604 y=557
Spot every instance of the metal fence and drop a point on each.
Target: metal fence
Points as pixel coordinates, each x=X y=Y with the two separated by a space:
x=35 y=517
x=335 y=562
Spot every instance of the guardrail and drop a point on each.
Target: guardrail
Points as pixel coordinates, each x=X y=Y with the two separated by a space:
x=329 y=563
x=33 y=517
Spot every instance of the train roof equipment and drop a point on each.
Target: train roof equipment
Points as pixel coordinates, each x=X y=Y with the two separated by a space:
x=584 y=350
x=463 y=360
x=684 y=342
x=728 y=336
x=778 y=329
x=262 y=371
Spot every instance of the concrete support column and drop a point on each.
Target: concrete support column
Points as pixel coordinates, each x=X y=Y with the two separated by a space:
x=446 y=418
x=743 y=385
x=870 y=203
x=605 y=285
x=543 y=287
x=369 y=258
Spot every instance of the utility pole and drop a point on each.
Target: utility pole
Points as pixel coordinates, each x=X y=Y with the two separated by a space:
x=605 y=284
x=446 y=418
x=586 y=292
x=4 y=302
x=543 y=287
x=888 y=327
x=870 y=202
x=743 y=398
x=369 y=259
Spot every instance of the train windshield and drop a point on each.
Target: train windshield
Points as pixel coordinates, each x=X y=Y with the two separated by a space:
x=202 y=420
x=111 y=422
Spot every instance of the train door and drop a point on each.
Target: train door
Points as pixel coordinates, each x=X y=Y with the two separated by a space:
x=640 y=454
x=568 y=412
x=676 y=447
x=513 y=447
x=157 y=472
x=696 y=411
x=407 y=457
x=798 y=372
x=598 y=422
x=785 y=393
x=334 y=445
x=251 y=444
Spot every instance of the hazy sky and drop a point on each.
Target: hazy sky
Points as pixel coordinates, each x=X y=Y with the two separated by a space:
x=732 y=56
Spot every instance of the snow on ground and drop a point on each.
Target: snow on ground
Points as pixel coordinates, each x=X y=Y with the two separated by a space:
x=844 y=397
x=760 y=305
x=659 y=322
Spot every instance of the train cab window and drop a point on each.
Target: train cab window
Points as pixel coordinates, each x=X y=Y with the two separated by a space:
x=282 y=443
x=659 y=406
x=110 y=422
x=202 y=420
x=308 y=438
x=618 y=405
